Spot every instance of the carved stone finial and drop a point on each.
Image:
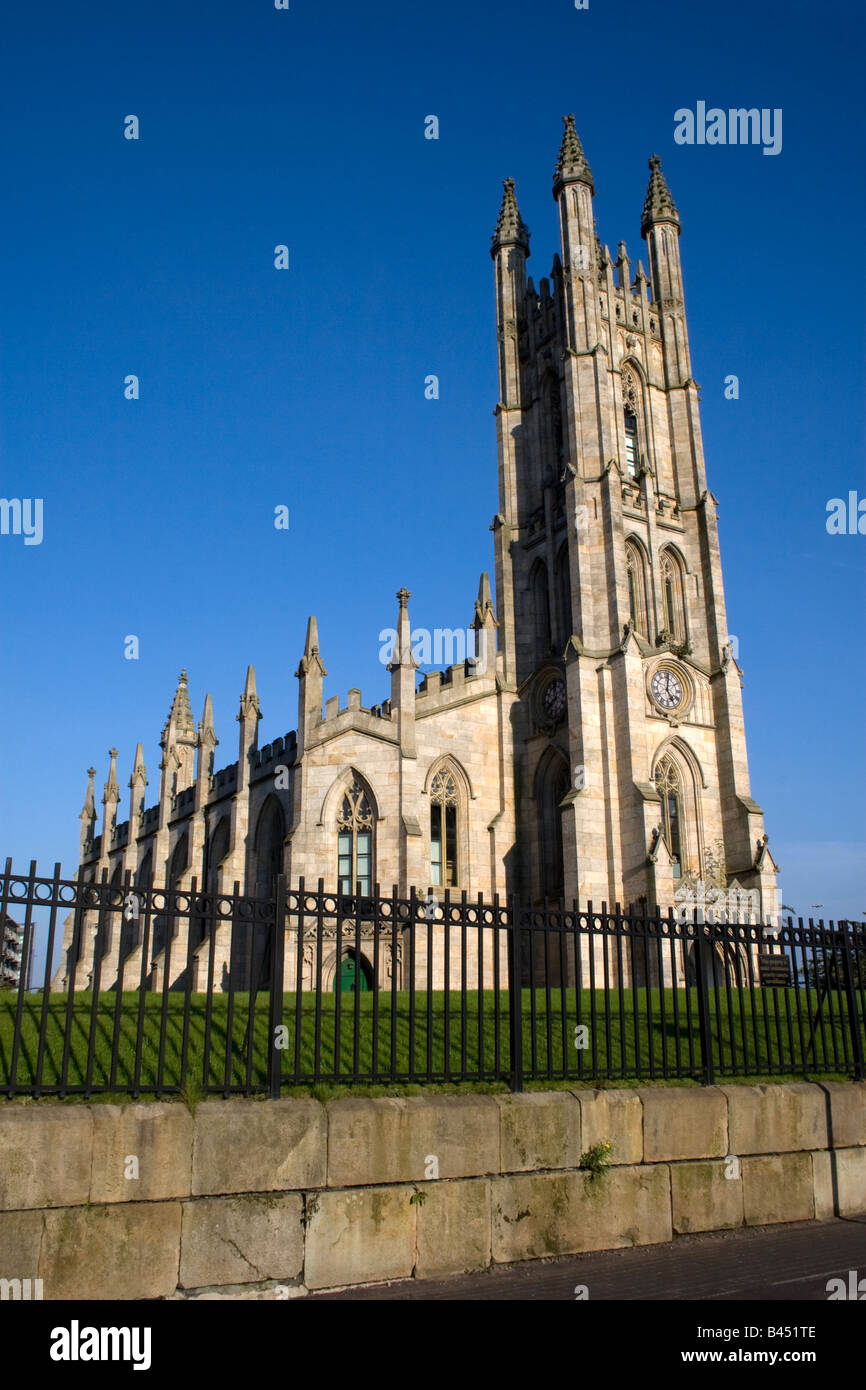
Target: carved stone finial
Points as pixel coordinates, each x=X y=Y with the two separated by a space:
x=659 y=205
x=180 y=718
x=511 y=230
x=571 y=166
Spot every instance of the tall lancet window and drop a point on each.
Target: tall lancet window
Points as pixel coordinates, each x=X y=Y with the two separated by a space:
x=636 y=573
x=563 y=595
x=631 y=452
x=355 y=842
x=443 y=830
x=551 y=784
x=554 y=408
x=541 y=609
x=673 y=599
x=629 y=417
x=669 y=788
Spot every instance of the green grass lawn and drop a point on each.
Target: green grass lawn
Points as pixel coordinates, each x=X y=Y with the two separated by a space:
x=648 y=1035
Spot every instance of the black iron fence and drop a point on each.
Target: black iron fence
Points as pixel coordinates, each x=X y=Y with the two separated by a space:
x=139 y=990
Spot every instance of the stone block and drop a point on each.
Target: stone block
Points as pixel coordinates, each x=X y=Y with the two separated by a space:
x=242 y=1293
x=769 y=1119
x=263 y=1146
x=822 y=1185
x=158 y=1135
x=536 y=1215
x=851 y=1181
x=777 y=1187
x=112 y=1252
x=20 y=1241
x=614 y=1116
x=453 y=1228
x=360 y=1237
x=684 y=1122
x=539 y=1129
x=704 y=1198
x=394 y=1140
x=241 y=1240
x=44 y=1156
x=847 y=1113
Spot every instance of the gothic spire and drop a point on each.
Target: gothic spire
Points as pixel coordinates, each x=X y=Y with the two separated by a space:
x=659 y=205
x=511 y=230
x=403 y=654
x=249 y=699
x=206 y=732
x=311 y=650
x=112 y=792
x=89 y=807
x=180 y=714
x=484 y=601
x=139 y=771
x=571 y=166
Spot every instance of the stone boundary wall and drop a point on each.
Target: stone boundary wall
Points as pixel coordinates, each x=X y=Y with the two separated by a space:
x=271 y=1199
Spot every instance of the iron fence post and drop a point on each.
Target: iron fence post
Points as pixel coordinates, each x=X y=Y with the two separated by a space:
x=853 y=1011
x=515 y=1000
x=703 y=956
x=275 y=1020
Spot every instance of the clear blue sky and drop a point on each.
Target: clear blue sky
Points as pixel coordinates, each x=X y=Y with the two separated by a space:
x=306 y=387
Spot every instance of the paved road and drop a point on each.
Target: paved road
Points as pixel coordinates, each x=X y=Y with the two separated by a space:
x=764 y=1264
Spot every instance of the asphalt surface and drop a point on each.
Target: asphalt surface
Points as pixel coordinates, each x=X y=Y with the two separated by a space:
x=762 y=1264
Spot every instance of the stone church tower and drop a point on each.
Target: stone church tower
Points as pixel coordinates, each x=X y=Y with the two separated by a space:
x=594 y=748
x=630 y=745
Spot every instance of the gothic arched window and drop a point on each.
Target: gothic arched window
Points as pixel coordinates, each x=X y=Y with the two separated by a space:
x=551 y=785
x=105 y=928
x=144 y=872
x=270 y=834
x=178 y=865
x=636 y=574
x=673 y=596
x=216 y=850
x=541 y=609
x=443 y=830
x=631 y=450
x=563 y=595
x=669 y=786
x=554 y=412
x=179 y=861
x=355 y=825
x=630 y=399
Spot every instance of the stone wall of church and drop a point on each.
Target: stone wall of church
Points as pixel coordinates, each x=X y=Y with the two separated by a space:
x=275 y=1199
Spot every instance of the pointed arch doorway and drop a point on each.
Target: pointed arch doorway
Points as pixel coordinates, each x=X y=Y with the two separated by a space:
x=354 y=974
x=551 y=784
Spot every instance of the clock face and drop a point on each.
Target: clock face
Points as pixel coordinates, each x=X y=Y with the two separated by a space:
x=554 y=699
x=667 y=689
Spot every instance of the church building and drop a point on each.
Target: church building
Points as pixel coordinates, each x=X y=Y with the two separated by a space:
x=593 y=749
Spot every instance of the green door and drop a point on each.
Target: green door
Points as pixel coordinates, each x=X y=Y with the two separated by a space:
x=350 y=977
